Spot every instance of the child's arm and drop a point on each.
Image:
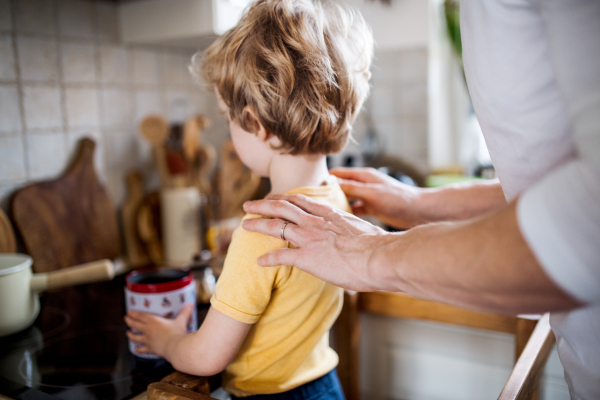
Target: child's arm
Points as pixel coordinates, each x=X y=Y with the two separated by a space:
x=205 y=352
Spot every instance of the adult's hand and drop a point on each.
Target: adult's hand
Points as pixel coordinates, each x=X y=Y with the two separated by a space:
x=374 y=193
x=483 y=263
x=403 y=206
x=340 y=242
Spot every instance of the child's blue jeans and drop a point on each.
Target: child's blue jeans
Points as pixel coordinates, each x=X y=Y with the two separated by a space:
x=326 y=387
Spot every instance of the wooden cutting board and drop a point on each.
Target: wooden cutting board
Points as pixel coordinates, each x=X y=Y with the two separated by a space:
x=70 y=220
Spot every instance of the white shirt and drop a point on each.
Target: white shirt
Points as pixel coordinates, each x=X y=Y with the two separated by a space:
x=533 y=71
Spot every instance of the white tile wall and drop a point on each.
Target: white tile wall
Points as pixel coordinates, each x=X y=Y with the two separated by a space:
x=7 y=61
x=38 y=59
x=78 y=62
x=106 y=22
x=35 y=16
x=81 y=107
x=5 y=15
x=46 y=154
x=70 y=78
x=121 y=149
x=114 y=64
x=75 y=19
x=145 y=68
x=42 y=106
x=147 y=102
x=116 y=107
x=12 y=167
x=175 y=69
x=10 y=115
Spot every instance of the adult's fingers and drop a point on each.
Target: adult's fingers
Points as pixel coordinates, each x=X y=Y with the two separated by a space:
x=279 y=257
x=304 y=203
x=357 y=190
x=272 y=227
x=276 y=208
x=366 y=175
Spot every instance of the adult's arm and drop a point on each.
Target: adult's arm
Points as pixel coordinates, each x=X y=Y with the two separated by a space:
x=482 y=264
x=403 y=206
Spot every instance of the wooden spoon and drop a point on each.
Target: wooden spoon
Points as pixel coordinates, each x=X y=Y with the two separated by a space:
x=156 y=129
x=192 y=134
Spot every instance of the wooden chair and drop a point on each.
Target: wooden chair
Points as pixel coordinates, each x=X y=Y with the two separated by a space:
x=534 y=340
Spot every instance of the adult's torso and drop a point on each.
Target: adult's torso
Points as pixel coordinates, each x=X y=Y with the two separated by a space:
x=512 y=82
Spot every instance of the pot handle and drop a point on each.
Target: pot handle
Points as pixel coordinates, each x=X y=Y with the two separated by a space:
x=95 y=271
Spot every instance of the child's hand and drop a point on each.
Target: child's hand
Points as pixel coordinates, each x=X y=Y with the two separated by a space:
x=157 y=334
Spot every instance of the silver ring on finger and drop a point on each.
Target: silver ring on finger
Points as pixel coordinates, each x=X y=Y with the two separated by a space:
x=283 y=229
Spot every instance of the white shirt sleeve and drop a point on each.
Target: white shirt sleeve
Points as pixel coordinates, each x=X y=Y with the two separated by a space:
x=560 y=215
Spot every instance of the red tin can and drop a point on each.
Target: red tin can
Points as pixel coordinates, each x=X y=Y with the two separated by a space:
x=162 y=292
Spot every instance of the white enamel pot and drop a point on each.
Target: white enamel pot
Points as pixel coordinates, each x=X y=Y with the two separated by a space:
x=19 y=287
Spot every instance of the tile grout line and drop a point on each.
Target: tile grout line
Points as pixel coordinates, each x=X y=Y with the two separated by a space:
x=61 y=83
x=96 y=43
x=20 y=91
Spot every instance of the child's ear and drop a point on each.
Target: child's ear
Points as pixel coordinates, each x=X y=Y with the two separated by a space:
x=253 y=121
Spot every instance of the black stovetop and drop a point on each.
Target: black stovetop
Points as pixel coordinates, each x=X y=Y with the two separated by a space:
x=77 y=349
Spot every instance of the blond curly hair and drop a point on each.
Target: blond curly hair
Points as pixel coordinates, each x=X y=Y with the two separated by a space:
x=301 y=66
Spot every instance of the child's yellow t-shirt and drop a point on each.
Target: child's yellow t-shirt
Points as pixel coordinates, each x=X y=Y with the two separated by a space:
x=291 y=312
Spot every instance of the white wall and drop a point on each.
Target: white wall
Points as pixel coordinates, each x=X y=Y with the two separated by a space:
x=400 y=25
x=65 y=75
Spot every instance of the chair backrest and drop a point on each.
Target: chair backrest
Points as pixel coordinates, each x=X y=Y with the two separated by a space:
x=525 y=377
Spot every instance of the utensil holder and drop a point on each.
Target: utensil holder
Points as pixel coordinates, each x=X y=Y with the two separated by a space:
x=180 y=218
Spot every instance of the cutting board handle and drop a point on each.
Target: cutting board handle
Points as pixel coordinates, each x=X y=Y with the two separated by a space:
x=84 y=157
x=95 y=271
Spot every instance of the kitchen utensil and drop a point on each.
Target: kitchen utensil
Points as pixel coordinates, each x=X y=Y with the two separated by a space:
x=156 y=129
x=7 y=235
x=207 y=160
x=161 y=292
x=192 y=134
x=70 y=220
x=148 y=227
x=176 y=164
x=134 y=250
x=19 y=288
x=180 y=221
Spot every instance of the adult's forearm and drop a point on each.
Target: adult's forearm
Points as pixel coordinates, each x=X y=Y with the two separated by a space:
x=483 y=264
x=459 y=201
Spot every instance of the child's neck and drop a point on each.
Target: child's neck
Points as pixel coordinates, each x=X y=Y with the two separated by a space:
x=288 y=172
